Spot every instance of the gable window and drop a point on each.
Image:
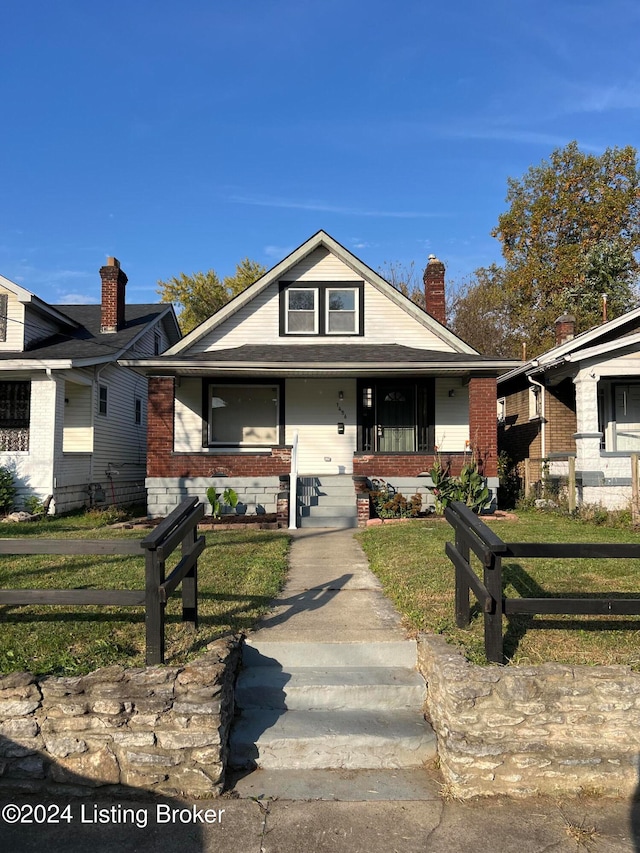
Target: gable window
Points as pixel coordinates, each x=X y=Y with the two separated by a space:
x=342 y=311
x=302 y=311
x=244 y=415
x=102 y=399
x=322 y=308
x=15 y=413
x=157 y=343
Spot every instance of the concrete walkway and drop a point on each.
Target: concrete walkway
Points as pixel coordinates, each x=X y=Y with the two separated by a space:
x=330 y=699
x=345 y=811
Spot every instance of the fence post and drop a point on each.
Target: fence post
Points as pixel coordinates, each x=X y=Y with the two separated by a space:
x=572 y=484
x=635 y=497
x=154 y=608
x=463 y=610
x=190 y=583
x=493 y=620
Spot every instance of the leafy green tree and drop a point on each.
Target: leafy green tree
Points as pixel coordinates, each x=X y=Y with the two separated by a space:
x=571 y=233
x=480 y=313
x=201 y=294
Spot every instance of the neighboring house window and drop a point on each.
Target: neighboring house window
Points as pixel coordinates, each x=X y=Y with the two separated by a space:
x=321 y=308
x=502 y=409
x=535 y=408
x=243 y=415
x=157 y=343
x=4 y=301
x=137 y=410
x=15 y=413
x=626 y=417
x=102 y=399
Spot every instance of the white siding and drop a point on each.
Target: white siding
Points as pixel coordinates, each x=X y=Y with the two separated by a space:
x=452 y=416
x=314 y=409
x=37 y=327
x=187 y=417
x=258 y=322
x=120 y=443
x=15 y=324
x=321 y=265
x=78 y=420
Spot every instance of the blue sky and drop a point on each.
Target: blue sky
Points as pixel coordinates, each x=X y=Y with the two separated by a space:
x=184 y=136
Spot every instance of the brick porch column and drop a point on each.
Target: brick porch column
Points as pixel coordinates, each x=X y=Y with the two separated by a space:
x=483 y=423
x=159 y=425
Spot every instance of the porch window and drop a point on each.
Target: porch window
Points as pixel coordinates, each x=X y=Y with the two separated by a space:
x=15 y=413
x=243 y=415
x=626 y=417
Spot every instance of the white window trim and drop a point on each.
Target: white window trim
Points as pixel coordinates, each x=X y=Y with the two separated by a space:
x=316 y=300
x=355 y=311
x=104 y=414
x=247 y=444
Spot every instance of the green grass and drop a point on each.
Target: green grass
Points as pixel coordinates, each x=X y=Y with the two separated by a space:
x=239 y=573
x=410 y=561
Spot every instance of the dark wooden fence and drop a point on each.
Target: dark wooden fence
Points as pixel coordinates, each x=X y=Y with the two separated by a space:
x=472 y=535
x=180 y=528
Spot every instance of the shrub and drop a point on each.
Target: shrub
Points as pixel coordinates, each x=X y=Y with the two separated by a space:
x=229 y=498
x=470 y=487
x=388 y=502
x=7 y=489
x=33 y=505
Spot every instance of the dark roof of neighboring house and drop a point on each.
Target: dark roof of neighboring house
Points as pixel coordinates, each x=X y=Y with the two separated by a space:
x=331 y=353
x=87 y=342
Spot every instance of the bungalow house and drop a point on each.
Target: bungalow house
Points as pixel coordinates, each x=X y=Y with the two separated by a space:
x=323 y=354
x=72 y=421
x=580 y=399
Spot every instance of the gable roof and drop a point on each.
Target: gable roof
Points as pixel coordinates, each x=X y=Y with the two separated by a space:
x=84 y=344
x=26 y=296
x=320 y=240
x=614 y=334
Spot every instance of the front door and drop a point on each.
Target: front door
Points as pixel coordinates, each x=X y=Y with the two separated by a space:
x=396 y=419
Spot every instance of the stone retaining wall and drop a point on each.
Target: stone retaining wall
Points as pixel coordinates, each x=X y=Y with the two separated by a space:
x=163 y=728
x=546 y=729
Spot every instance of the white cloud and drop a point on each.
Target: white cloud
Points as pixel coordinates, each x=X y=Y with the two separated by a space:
x=324 y=207
x=77 y=299
x=278 y=251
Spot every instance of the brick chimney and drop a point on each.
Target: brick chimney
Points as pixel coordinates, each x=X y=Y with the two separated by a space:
x=434 y=290
x=565 y=328
x=113 y=284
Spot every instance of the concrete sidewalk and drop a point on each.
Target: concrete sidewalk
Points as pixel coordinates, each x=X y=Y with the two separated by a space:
x=281 y=826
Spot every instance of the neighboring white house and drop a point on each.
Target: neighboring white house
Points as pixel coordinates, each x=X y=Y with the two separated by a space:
x=73 y=423
x=581 y=399
x=323 y=348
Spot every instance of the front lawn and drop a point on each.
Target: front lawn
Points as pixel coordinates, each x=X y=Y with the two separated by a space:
x=410 y=561
x=239 y=574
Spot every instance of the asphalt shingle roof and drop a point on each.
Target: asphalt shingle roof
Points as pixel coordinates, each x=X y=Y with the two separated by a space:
x=87 y=341
x=330 y=353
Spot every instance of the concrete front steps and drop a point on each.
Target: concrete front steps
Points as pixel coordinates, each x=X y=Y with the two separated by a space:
x=327 y=500
x=352 y=706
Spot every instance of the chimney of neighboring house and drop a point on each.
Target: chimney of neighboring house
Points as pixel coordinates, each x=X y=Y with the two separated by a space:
x=565 y=328
x=113 y=284
x=434 y=290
